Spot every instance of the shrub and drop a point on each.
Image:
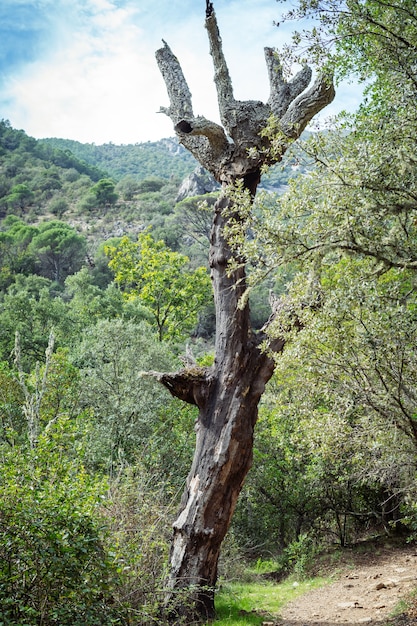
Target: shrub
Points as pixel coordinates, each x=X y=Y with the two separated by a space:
x=140 y=513
x=54 y=569
x=58 y=206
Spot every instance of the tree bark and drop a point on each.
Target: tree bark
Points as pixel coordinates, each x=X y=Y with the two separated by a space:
x=227 y=393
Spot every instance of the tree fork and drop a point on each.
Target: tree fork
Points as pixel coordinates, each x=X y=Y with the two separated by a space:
x=227 y=393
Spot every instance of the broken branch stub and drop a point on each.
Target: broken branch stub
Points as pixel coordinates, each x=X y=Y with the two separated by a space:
x=302 y=110
x=283 y=92
x=239 y=147
x=178 y=91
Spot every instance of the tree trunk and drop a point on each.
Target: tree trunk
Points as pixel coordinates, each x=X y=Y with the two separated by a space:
x=227 y=397
x=227 y=393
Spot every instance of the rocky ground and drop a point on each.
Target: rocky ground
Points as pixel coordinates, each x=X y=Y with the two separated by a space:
x=368 y=589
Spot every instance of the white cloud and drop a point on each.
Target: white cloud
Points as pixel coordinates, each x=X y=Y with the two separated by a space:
x=97 y=80
x=95 y=85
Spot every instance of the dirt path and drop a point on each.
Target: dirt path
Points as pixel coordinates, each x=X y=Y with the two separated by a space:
x=364 y=593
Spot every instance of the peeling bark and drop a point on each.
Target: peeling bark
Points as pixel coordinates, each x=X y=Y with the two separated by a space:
x=227 y=393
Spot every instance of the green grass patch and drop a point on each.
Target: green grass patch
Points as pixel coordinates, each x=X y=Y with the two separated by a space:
x=239 y=604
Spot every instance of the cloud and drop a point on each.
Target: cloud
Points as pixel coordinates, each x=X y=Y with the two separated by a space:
x=93 y=78
x=86 y=70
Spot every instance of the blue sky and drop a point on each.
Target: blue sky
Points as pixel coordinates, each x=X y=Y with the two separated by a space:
x=85 y=69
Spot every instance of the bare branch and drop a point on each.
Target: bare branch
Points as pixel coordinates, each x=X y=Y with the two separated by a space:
x=302 y=110
x=222 y=78
x=283 y=92
x=245 y=148
x=215 y=134
x=190 y=384
x=178 y=91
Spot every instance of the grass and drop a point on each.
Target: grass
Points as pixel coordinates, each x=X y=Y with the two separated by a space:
x=240 y=604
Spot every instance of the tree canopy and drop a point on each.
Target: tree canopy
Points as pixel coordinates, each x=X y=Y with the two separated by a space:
x=163 y=282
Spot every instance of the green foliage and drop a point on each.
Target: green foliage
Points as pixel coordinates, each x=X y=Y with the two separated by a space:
x=104 y=193
x=194 y=215
x=341 y=420
x=14 y=254
x=139 y=515
x=88 y=302
x=53 y=569
x=35 y=174
x=298 y=556
x=29 y=308
x=58 y=249
x=370 y=37
x=12 y=422
x=128 y=187
x=151 y=184
x=68 y=554
x=162 y=281
x=130 y=415
x=61 y=393
x=160 y=159
x=336 y=439
x=58 y=207
x=20 y=197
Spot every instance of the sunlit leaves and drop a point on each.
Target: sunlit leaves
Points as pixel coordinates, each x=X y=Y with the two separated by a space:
x=162 y=281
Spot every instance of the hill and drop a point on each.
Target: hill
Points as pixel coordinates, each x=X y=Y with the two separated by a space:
x=162 y=159
x=102 y=191
x=37 y=179
x=109 y=190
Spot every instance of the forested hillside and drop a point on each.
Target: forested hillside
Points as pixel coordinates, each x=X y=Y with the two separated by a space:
x=104 y=278
x=161 y=159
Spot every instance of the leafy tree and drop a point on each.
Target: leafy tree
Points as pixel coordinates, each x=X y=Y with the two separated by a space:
x=194 y=216
x=58 y=207
x=125 y=407
x=327 y=464
x=348 y=231
x=53 y=566
x=11 y=399
x=29 y=308
x=59 y=250
x=371 y=38
x=16 y=237
x=127 y=187
x=151 y=184
x=59 y=562
x=162 y=281
x=88 y=302
x=104 y=192
x=62 y=388
x=20 y=196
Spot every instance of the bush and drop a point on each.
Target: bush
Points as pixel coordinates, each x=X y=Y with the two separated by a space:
x=299 y=555
x=140 y=514
x=58 y=206
x=54 y=569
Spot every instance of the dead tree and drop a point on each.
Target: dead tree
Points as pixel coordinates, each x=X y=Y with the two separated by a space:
x=227 y=393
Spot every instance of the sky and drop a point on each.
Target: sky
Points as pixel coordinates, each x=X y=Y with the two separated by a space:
x=86 y=69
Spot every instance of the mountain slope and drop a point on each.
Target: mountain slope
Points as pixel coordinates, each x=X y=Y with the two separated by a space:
x=162 y=159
